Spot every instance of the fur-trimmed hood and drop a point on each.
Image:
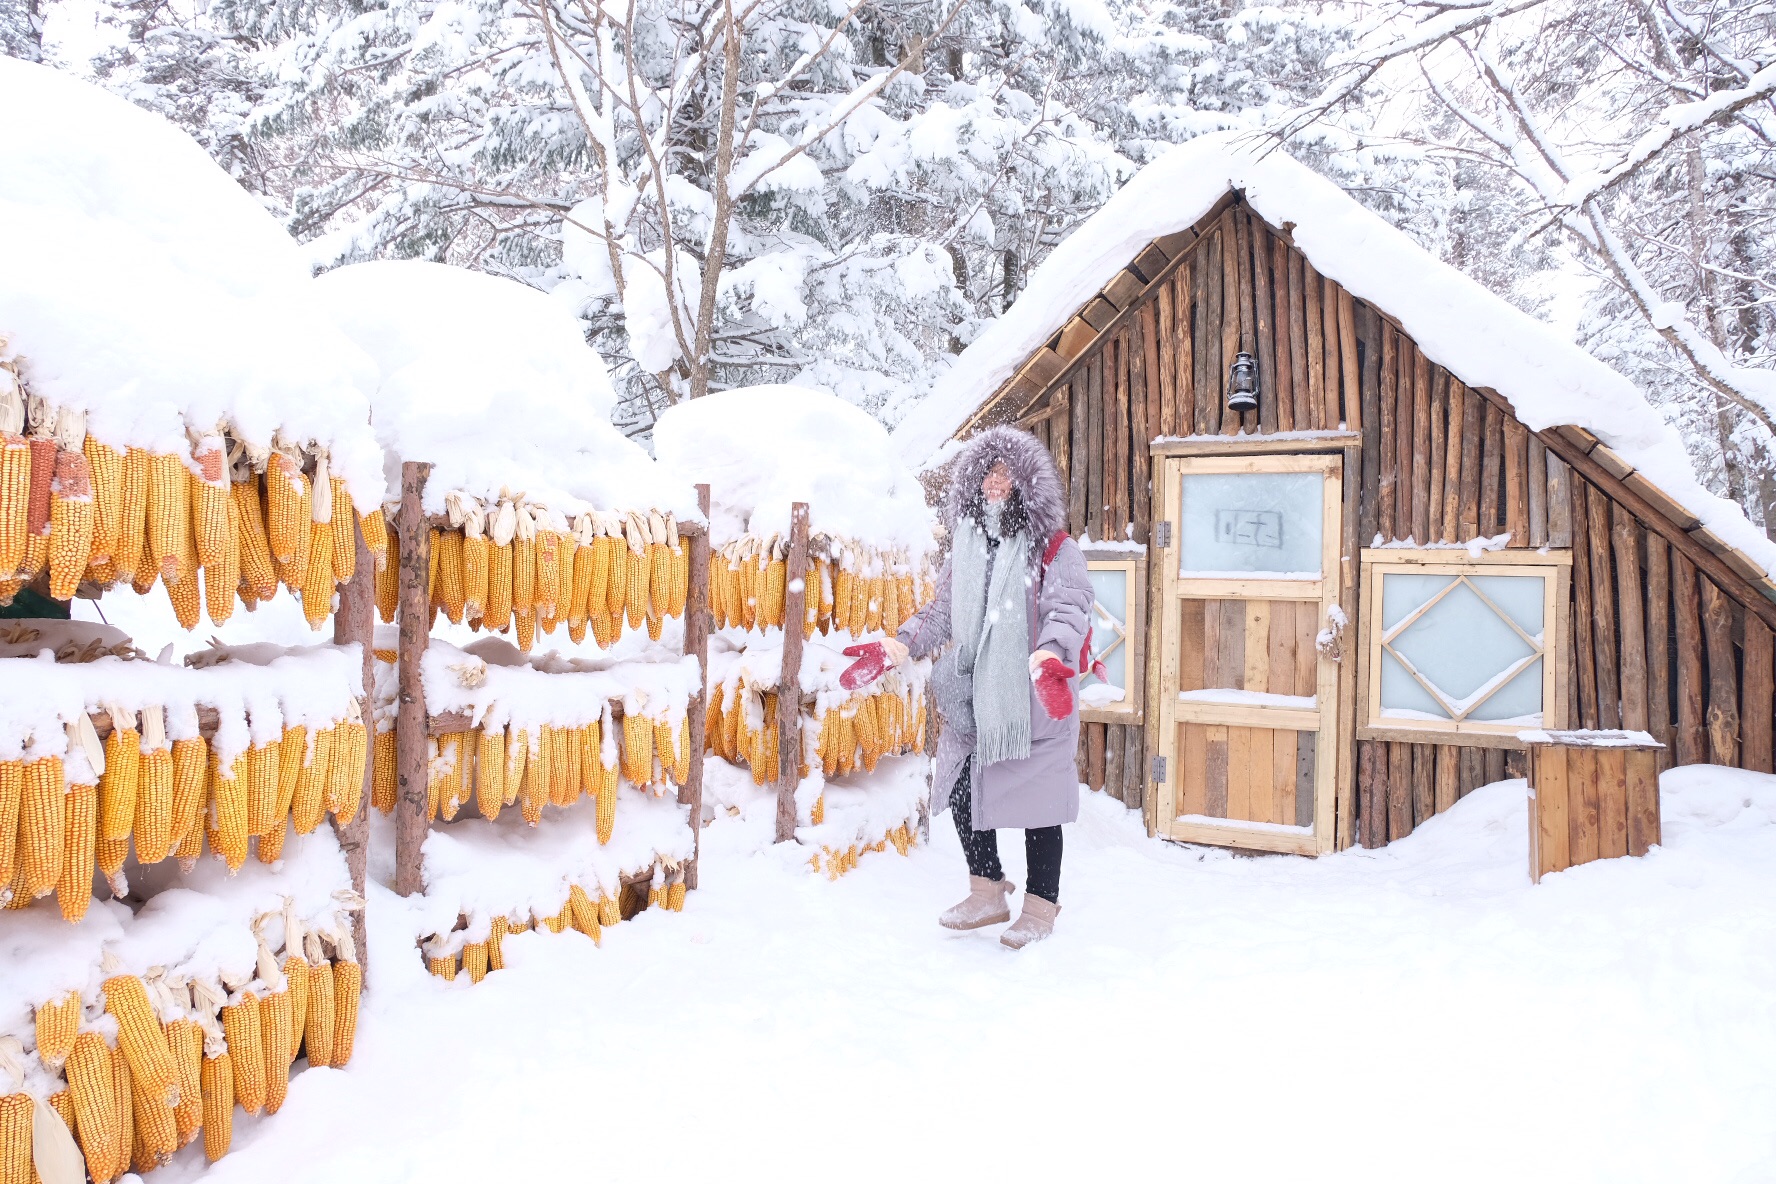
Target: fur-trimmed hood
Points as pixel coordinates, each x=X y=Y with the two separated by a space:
x=1034 y=480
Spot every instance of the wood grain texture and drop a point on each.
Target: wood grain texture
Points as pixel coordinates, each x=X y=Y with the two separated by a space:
x=1166 y=422
x=1723 y=690
x=1229 y=322
x=1305 y=417
x=1274 y=414
x=697 y=624
x=1473 y=428
x=1438 y=461
x=1113 y=760
x=1355 y=407
x=1645 y=830
x=1080 y=435
x=1686 y=613
x=1756 y=694
x=1368 y=497
x=1424 y=805
x=1559 y=502
x=1316 y=344
x=1658 y=644
x=789 y=676
x=1625 y=545
x=1583 y=818
x=1215 y=757
x=1333 y=413
x=1612 y=802
x=1603 y=607
x=411 y=742
x=1399 y=790
x=355 y=624
x=1371 y=793
x=1583 y=624
x=1388 y=476
x=1492 y=445
x=1405 y=440
x=1420 y=460
x=1550 y=812
x=1538 y=491
x=1517 y=482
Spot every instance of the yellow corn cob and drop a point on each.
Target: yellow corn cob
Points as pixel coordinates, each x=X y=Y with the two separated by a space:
x=317 y=584
x=222 y=576
x=263 y=769
x=36 y=553
x=95 y=1104
x=348 y=986
x=592 y=578
x=140 y=1038
x=80 y=834
x=286 y=493
x=71 y=511
x=228 y=804
x=875 y=593
x=638 y=749
x=122 y=778
x=132 y=513
x=752 y=592
x=474 y=959
x=534 y=790
x=451 y=790
x=57 y=1022
x=769 y=759
x=317 y=1033
x=564 y=766
x=659 y=563
x=718 y=599
x=343 y=532
x=218 y=1106
x=185 y=1038
x=616 y=576
x=275 y=1036
x=498 y=614
x=154 y=806
x=190 y=768
x=246 y=1047
x=384 y=784
x=345 y=792
x=42 y=822
x=775 y=592
x=310 y=804
x=842 y=580
x=583 y=913
x=123 y=1095
x=609 y=911
x=16 y=1111
x=556 y=923
x=292 y=751
x=270 y=847
x=605 y=629
x=498 y=927
x=447 y=589
x=297 y=974
x=678 y=579
x=675 y=896
x=388 y=591
x=517 y=758
x=548 y=572
x=524 y=565
x=169 y=514
x=525 y=630
x=607 y=802
x=257 y=575
x=589 y=741
x=475 y=574
x=444 y=968
x=732 y=723
x=576 y=579
x=713 y=722
x=157 y=1131
x=209 y=500
x=664 y=750
x=638 y=602
x=15 y=500
x=109 y=854
x=376 y=537
x=681 y=755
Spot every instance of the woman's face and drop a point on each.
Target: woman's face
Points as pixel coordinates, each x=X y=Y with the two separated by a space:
x=996 y=485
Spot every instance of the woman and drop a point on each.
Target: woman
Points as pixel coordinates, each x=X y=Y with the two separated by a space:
x=1015 y=598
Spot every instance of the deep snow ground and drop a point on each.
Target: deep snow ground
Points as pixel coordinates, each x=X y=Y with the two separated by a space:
x=1417 y=1013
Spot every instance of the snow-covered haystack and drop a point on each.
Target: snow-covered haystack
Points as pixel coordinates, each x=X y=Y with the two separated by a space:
x=546 y=513
x=172 y=396
x=871 y=543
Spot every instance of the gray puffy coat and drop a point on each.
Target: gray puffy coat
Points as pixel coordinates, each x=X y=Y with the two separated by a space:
x=1041 y=789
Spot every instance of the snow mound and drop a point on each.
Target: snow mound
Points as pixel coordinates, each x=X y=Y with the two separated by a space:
x=762 y=448
x=145 y=287
x=491 y=382
x=1461 y=326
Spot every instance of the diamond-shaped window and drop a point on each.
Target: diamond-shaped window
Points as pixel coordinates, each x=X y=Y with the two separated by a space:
x=1452 y=646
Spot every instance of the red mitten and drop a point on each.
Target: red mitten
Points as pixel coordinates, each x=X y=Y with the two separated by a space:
x=872 y=662
x=1052 y=690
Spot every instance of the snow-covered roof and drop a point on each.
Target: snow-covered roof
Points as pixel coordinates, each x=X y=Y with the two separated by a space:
x=1457 y=323
x=492 y=383
x=142 y=285
x=762 y=448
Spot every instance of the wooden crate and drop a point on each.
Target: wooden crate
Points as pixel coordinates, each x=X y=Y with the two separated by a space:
x=1592 y=795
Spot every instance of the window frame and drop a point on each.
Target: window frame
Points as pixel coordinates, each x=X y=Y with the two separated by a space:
x=1553 y=567
x=1134 y=563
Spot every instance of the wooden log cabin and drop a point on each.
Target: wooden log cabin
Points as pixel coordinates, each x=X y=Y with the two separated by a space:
x=1434 y=525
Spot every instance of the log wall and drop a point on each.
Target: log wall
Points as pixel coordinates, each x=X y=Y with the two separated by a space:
x=1665 y=633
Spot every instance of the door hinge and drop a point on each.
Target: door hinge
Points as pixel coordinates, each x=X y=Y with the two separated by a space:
x=1162 y=534
x=1159 y=770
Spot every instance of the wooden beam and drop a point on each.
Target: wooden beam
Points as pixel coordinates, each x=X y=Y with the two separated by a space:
x=355 y=624
x=411 y=755
x=789 y=680
x=697 y=624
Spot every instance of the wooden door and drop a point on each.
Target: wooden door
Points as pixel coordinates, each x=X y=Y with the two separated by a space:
x=1247 y=715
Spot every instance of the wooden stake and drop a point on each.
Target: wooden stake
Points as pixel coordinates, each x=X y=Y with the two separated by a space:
x=789 y=680
x=355 y=624
x=411 y=824
x=696 y=644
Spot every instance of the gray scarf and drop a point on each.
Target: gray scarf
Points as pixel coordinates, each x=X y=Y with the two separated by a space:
x=989 y=619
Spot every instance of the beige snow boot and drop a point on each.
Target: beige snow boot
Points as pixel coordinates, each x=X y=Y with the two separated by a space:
x=1036 y=922
x=988 y=903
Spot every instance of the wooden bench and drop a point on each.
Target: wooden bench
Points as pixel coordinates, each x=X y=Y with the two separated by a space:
x=1592 y=795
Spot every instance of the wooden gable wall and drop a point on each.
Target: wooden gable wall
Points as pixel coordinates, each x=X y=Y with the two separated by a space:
x=1669 y=630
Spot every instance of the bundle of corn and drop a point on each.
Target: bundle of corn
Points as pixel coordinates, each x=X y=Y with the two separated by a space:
x=74 y=510
x=888 y=719
x=852 y=586
x=743 y=727
x=836 y=862
x=519 y=566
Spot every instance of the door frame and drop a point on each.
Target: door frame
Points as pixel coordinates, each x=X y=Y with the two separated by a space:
x=1337 y=456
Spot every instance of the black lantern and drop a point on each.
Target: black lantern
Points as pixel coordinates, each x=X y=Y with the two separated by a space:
x=1242 y=383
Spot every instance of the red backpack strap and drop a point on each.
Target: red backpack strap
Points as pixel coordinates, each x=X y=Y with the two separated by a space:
x=1054 y=546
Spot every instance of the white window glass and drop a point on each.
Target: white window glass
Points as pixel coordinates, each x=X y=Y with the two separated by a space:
x=1110 y=623
x=1462 y=646
x=1251 y=524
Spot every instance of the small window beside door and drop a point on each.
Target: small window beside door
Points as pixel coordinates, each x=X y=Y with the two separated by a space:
x=1118 y=623
x=1459 y=649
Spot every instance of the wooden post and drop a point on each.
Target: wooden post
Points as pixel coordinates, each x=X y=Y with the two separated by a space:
x=411 y=823
x=789 y=682
x=696 y=644
x=355 y=624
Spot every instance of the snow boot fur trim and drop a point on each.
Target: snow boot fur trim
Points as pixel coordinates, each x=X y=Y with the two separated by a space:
x=988 y=903
x=1036 y=922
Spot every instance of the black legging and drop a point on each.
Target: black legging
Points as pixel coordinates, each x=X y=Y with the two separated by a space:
x=1042 y=846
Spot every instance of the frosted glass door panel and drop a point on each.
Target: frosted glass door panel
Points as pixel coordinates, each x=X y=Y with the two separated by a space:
x=1251 y=524
x=1109 y=628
